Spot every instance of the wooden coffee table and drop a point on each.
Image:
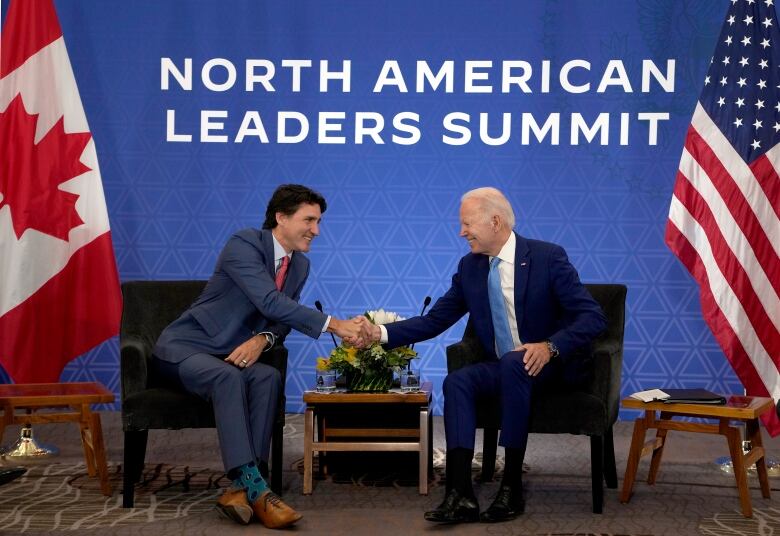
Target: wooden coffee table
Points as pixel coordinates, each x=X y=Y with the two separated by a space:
x=43 y=403
x=382 y=435
x=738 y=408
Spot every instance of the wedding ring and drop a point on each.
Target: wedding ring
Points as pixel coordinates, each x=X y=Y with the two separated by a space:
x=243 y=361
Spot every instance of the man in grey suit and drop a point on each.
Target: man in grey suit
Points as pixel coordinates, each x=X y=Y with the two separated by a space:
x=214 y=349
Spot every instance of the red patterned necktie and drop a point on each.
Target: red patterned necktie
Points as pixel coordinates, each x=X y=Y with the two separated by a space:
x=281 y=273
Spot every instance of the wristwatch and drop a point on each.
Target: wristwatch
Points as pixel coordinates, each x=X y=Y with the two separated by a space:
x=554 y=352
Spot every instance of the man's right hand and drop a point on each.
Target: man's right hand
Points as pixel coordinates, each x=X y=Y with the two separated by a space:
x=350 y=330
x=358 y=331
x=370 y=332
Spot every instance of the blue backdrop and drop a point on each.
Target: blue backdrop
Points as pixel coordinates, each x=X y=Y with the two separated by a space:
x=153 y=73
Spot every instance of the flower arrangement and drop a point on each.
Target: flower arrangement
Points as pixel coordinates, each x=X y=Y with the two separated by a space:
x=346 y=359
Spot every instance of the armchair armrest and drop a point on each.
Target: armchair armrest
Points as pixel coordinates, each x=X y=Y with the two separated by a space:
x=134 y=358
x=466 y=352
x=277 y=358
x=607 y=365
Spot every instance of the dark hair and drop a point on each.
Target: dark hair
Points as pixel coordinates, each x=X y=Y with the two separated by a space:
x=288 y=198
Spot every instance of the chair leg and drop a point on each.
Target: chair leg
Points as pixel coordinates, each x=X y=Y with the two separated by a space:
x=134 y=455
x=597 y=472
x=610 y=470
x=277 y=440
x=489 y=447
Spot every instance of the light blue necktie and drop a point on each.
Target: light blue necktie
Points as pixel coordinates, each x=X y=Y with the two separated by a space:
x=501 y=331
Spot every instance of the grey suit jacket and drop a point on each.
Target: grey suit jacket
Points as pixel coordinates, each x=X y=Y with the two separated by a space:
x=241 y=300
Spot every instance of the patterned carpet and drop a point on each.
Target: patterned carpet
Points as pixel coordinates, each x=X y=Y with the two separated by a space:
x=63 y=497
x=765 y=522
x=177 y=497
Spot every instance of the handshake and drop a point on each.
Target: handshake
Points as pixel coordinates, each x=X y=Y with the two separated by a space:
x=358 y=332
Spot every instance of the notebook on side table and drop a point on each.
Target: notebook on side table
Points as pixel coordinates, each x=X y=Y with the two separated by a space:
x=693 y=396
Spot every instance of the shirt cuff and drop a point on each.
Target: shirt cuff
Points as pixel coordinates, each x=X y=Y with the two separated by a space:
x=325 y=327
x=383 y=334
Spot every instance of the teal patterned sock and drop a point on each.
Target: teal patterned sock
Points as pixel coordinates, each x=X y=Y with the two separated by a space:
x=249 y=478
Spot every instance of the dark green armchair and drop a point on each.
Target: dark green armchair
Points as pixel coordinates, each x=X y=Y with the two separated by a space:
x=149 y=404
x=590 y=411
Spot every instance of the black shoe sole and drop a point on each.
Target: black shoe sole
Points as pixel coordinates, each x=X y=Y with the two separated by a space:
x=508 y=517
x=497 y=520
x=451 y=521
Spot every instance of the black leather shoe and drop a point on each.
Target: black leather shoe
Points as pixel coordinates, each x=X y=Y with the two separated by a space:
x=455 y=509
x=506 y=506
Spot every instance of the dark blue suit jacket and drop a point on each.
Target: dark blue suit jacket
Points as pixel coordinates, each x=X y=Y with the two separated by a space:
x=550 y=302
x=241 y=300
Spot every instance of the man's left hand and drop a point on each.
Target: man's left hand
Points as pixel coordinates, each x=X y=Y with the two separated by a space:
x=537 y=355
x=248 y=352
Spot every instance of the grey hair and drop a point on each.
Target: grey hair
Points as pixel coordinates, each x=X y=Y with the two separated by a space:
x=494 y=202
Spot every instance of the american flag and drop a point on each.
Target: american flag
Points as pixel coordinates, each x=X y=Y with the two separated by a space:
x=724 y=219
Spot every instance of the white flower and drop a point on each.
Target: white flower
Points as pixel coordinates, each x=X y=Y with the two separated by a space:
x=383 y=317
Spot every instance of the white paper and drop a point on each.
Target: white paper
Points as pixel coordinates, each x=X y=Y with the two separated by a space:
x=650 y=395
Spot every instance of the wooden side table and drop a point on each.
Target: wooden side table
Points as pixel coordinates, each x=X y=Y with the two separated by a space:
x=738 y=408
x=379 y=437
x=44 y=403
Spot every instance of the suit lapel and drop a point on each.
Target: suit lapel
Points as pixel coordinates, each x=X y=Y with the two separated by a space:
x=295 y=273
x=522 y=268
x=482 y=270
x=267 y=240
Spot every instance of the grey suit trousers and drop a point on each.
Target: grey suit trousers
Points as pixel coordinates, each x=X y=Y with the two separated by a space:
x=244 y=402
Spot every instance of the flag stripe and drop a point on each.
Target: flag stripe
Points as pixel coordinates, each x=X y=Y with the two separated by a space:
x=722 y=222
x=765 y=171
x=741 y=174
x=727 y=200
x=20 y=39
x=737 y=356
x=750 y=294
x=83 y=295
x=735 y=327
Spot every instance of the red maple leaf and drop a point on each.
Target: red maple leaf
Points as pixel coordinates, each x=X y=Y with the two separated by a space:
x=30 y=174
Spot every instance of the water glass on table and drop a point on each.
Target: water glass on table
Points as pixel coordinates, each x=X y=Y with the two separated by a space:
x=326 y=381
x=410 y=381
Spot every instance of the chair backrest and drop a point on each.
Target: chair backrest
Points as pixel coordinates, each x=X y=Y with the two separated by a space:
x=149 y=306
x=612 y=298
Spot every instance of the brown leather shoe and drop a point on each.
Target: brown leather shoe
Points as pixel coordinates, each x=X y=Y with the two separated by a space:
x=233 y=505
x=274 y=514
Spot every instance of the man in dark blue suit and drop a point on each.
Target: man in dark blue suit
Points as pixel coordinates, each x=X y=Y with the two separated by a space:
x=214 y=349
x=532 y=314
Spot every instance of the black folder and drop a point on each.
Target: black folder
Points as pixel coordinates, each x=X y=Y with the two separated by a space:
x=693 y=396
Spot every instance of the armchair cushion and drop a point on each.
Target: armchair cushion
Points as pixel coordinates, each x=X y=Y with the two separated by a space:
x=588 y=410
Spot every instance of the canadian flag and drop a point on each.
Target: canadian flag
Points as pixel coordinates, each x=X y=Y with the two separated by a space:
x=59 y=288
